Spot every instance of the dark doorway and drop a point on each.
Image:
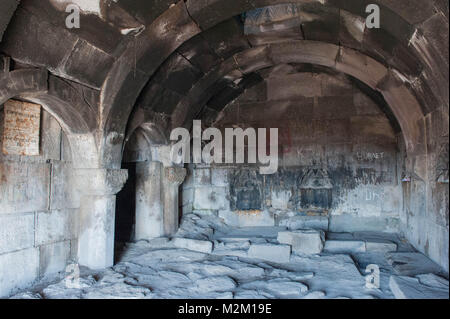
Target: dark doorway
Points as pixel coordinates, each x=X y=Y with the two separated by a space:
x=125 y=211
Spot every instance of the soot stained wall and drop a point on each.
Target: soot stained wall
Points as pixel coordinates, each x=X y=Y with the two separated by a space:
x=331 y=135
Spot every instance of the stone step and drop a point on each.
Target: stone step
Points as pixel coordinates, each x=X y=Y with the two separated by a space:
x=308 y=242
x=193 y=244
x=344 y=246
x=251 y=232
x=270 y=252
x=305 y=222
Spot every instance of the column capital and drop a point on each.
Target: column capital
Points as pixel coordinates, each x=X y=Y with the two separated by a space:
x=100 y=182
x=175 y=175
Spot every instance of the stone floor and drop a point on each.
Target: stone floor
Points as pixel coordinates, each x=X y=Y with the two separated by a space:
x=208 y=259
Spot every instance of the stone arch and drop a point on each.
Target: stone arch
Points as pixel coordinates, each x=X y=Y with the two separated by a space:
x=377 y=76
x=37 y=86
x=188 y=19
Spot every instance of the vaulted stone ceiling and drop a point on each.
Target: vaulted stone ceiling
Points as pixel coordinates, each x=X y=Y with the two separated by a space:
x=167 y=62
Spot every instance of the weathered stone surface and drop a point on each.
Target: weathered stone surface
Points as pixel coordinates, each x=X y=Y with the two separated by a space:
x=8 y=8
x=18 y=270
x=412 y=288
x=149 y=201
x=17 y=232
x=247 y=218
x=210 y=198
x=220 y=283
x=279 y=287
x=53 y=258
x=411 y=264
x=306 y=222
x=25 y=185
x=83 y=55
x=349 y=223
x=193 y=244
x=344 y=246
x=62 y=194
x=269 y=252
x=56 y=226
x=306 y=242
x=380 y=247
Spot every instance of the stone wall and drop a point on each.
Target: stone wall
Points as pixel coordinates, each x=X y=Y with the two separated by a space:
x=425 y=213
x=327 y=127
x=37 y=210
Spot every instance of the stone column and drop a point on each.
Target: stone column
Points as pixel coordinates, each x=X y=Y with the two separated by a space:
x=98 y=189
x=173 y=177
x=149 y=201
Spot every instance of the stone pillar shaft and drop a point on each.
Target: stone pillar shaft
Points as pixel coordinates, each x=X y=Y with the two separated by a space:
x=149 y=202
x=173 y=177
x=98 y=189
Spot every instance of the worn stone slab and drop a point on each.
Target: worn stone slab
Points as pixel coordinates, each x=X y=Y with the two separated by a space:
x=270 y=252
x=53 y=258
x=404 y=287
x=305 y=222
x=250 y=233
x=380 y=246
x=51 y=137
x=247 y=219
x=278 y=287
x=230 y=252
x=193 y=244
x=55 y=226
x=18 y=270
x=62 y=192
x=25 y=187
x=308 y=242
x=411 y=264
x=16 y=232
x=344 y=246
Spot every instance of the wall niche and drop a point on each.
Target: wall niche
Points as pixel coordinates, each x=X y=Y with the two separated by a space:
x=315 y=189
x=246 y=191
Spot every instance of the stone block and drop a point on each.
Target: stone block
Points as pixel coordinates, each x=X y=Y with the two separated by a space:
x=270 y=252
x=51 y=137
x=380 y=246
x=16 y=232
x=211 y=198
x=344 y=246
x=25 y=185
x=306 y=222
x=193 y=244
x=219 y=177
x=292 y=86
x=247 y=219
x=149 y=201
x=62 y=192
x=55 y=226
x=354 y=223
x=53 y=258
x=308 y=242
x=18 y=270
x=202 y=176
